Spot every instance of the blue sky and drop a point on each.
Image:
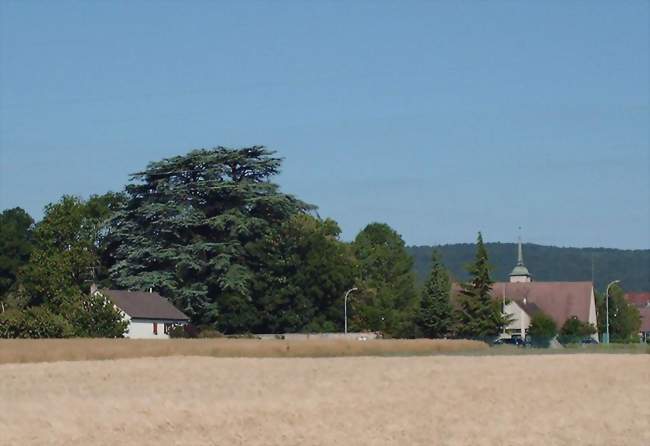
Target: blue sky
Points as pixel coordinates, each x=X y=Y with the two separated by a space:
x=438 y=118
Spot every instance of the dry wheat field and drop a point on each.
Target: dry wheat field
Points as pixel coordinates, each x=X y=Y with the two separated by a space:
x=45 y=350
x=550 y=400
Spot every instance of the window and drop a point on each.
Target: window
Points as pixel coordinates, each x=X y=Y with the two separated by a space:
x=155 y=328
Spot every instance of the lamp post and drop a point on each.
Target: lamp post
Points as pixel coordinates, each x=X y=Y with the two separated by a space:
x=606 y=337
x=345 y=308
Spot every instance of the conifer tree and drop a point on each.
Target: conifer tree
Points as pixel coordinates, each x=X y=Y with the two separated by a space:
x=478 y=315
x=192 y=227
x=435 y=313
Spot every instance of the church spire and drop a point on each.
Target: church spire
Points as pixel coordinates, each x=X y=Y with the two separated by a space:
x=520 y=272
x=520 y=254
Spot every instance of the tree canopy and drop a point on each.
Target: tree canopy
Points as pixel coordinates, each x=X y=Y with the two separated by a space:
x=542 y=329
x=387 y=298
x=574 y=330
x=192 y=226
x=57 y=277
x=624 y=318
x=303 y=276
x=16 y=227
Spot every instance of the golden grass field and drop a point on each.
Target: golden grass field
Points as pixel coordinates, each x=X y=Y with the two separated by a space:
x=43 y=350
x=572 y=399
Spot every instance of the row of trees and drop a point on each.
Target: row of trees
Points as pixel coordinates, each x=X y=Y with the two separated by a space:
x=472 y=314
x=211 y=231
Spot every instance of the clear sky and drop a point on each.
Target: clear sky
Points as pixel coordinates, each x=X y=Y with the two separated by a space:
x=438 y=118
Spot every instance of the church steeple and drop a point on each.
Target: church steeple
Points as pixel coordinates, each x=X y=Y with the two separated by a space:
x=520 y=254
x=520 y=272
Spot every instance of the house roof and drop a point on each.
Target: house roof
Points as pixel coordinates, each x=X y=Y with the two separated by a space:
x=645 y=318
x=640 y=299
x=530 y=308
x=143 y=305
x=559 y=300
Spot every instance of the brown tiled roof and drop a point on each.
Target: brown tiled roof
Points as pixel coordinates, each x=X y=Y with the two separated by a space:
x=143 y=305
x=559 y=300
x=530 y=308
x=640 y=299
x=645 y=318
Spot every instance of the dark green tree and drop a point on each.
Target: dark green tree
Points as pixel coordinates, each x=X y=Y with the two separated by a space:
x=477 y=315
x=192 y=226
x=93 y=316
x=435 y=313
x=387 y=299
x=574 y=331
x=15 y=246
x=63 y=257
x=34 y=322
x=542 y=329
x=304 y=272
x=65 y=252
x=60 y=270
x=624 y=318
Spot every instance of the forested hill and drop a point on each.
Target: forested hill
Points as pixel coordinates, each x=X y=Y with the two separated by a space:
x=547 y=263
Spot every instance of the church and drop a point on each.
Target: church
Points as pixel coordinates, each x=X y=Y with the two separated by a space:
x=523 y=297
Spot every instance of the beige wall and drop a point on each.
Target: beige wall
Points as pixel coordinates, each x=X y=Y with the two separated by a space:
x=520 y=319
x=592 y=314
x=143 y=328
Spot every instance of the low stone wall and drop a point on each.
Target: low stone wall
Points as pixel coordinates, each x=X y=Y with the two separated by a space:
x=320 y=336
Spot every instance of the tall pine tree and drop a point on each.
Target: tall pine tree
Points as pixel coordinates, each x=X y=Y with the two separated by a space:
x=477 y=314
x=435 y=313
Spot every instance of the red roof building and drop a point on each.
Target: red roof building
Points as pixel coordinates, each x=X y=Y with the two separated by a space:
x=639 y=299
x=561 y=301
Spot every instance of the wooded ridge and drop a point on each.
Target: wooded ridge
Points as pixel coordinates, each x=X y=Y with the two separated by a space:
x=546 y=263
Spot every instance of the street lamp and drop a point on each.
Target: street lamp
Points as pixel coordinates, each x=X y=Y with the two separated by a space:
x=606 y=337
x=345 y=307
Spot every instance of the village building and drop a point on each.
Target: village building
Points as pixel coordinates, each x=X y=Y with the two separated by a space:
x=149 y=315
x=641 y=300
x=523 y=297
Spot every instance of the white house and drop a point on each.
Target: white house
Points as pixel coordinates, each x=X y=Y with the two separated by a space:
x=150 y=316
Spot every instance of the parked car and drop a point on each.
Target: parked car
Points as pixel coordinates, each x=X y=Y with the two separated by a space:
x=510 y=341
x=587 y=341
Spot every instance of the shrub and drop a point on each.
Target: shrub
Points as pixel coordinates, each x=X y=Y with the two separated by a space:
x=34 y=322
x=10 y=323
x=542 y=329
x=209 y=332
x=184 y=331
x=574 y=330
x=96 y=317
